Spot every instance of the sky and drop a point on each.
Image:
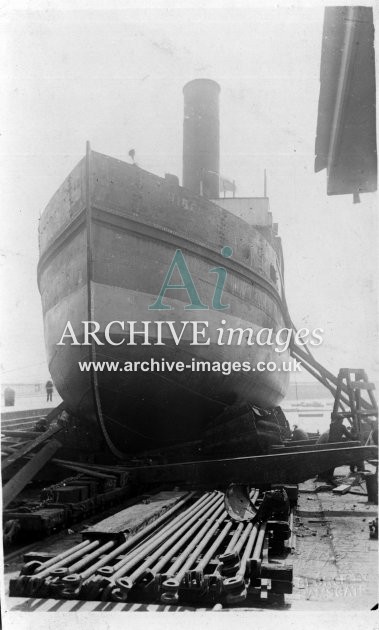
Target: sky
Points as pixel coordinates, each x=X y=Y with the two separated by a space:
x=114 y=77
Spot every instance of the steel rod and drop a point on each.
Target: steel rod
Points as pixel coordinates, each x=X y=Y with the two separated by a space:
x=184 y=533
x=135 y=538
x=157 y=539
x=68 y=558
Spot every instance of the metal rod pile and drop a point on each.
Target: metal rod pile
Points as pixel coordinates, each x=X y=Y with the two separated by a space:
x=193 y=552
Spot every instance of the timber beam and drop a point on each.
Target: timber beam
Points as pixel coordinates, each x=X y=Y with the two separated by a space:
x=260 y=470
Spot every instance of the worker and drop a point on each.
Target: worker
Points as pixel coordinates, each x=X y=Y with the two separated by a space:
x=298 y=434
x=360 y=466
x=337 y=432
x=49 y=391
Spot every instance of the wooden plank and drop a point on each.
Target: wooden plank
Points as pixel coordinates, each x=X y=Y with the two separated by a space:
x=20 y=434
x=13 y=442
x=299 y=442
x=30 y=446
x=314 y=447
x=79 y=468
x=20 y=426
x=54 y=412
x=362 y=385
x=26 y=420
x=343 y=488
x=9 y=423
x=17 y=415
x=26 y=474
x=259 y=470
x=9 y=450
x=135 y=516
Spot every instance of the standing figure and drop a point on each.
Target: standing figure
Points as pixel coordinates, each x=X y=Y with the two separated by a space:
x=298 y=434
x=337 y=433
x=49 y=391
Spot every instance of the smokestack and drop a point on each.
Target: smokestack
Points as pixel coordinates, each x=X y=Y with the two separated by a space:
x=201 y=137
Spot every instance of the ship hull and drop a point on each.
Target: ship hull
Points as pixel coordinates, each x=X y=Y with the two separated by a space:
x=107 y=239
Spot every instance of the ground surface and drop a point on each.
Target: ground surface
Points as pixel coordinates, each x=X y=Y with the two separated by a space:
x=335 y=563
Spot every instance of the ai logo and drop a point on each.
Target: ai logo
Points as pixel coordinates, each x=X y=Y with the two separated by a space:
x=179 y=263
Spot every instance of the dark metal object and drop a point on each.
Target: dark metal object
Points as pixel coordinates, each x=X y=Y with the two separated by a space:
x=238 y=504
x=201 y=137
x=373 y=527
x=346 y=134
x=372 y=487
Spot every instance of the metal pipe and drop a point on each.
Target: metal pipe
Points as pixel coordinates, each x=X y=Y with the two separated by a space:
x=133 y=539
x=234 y=538
x=87 y=558
x=240 y=543
x=195 y=577
x=254 y=495
x=248 y=549
x=211 y=551
x=66 y=557
x=62 y=555
x=158 y=538
x=260 y=540
x=238 y=580
x=230 y=557
x=200 y=516
x=126 y=583
x=202 y=537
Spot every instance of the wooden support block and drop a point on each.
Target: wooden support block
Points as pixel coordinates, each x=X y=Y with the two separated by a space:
x=91 y=485
x=134 y=517
x=343 y=488
x=279 y=587
x=292 y=491
x=26 y=474
x=41 y=521
x=280 y=529
x=121 y=475
x=281 y=572
x=70 y=494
